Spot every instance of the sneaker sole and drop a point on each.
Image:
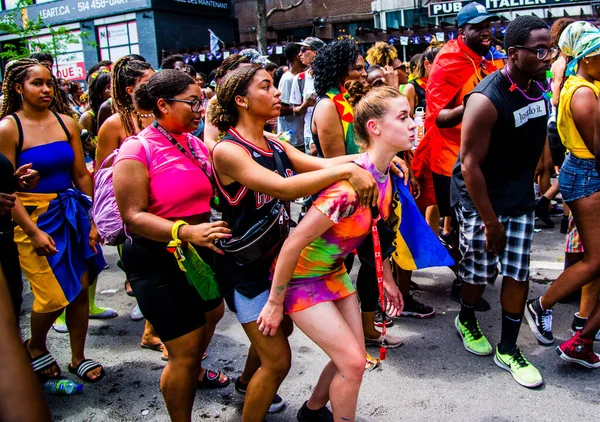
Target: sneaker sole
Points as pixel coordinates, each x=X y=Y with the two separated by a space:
x=274 y=408
x=417 y=315
x=506 y=368
x=568 y=358
x=533 y=327
x=465 y=343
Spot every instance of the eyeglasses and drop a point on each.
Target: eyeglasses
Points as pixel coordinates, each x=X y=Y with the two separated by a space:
x=196 y=104
x=305 y=49
x=541 y=53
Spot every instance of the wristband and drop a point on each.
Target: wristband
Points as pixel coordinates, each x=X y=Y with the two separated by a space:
x=176 y=242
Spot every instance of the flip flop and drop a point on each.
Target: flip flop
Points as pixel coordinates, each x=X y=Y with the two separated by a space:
x=158 y=347
x=41 y=363
x=84 y=368
x=211 y=380
x=106 y=314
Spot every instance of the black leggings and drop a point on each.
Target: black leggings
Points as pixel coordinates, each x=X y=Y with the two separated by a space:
x=366 y=284
x=9 y=259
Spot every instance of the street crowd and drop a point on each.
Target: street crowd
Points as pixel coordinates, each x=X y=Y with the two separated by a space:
x=192 y=177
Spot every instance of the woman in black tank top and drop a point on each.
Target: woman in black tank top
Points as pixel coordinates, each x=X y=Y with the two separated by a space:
x=245 y=167
x=30 y=119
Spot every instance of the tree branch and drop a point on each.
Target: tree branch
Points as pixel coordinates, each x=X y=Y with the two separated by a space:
x=283 y=9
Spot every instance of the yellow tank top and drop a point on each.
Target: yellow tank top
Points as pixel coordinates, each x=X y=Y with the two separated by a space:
x=564 y=121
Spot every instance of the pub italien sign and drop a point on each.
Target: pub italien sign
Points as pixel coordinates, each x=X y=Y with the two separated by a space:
x=453 y=7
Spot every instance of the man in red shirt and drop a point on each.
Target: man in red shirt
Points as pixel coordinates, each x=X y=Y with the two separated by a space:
x=456 y=70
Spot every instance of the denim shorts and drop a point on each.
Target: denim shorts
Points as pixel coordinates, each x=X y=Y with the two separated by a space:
x=578 y=178
x=248 y=309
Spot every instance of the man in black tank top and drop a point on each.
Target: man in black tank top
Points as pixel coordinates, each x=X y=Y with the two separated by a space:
x=503 y=136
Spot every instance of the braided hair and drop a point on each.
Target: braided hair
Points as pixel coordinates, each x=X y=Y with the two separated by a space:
x=17 y=72
x=230 y=63
x=125 y=73
x=223 y=113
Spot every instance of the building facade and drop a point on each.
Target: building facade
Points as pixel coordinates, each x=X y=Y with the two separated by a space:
x=110 y=29
x=324 y=19
x=413 y=24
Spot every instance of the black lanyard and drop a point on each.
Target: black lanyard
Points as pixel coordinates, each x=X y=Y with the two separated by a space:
x=193 y=156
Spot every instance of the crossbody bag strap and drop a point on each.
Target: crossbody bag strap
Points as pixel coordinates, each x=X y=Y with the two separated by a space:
x=278 y=161
x=181 y=149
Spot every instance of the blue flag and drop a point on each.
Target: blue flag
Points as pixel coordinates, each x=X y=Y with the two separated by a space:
x=417 y=246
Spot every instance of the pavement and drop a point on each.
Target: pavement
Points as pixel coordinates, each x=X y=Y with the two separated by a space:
x=431 y=377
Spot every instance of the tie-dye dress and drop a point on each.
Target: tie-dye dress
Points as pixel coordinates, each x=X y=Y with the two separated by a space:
x=320 y=274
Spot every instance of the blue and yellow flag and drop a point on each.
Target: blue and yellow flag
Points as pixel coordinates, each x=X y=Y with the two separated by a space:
x=56 y=279
x=417 y=246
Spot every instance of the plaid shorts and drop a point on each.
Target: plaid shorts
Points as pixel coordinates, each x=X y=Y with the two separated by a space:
x=573 y=244
x=480 y=267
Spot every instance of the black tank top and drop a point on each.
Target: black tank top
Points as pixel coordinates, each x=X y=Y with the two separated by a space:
x=420 y=94
x=516 y=144
x=243 y=207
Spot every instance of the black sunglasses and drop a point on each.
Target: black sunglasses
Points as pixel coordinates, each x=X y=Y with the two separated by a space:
x=304 y=49
x=196 y=104
x=541 y=53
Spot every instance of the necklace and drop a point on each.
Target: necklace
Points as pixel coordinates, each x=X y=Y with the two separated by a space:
x=546 y=93
x=144 y=115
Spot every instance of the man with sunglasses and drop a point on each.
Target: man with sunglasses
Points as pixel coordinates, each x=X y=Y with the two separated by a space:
x=292 y=116
x=303 y=87
x=457 y=69
x=503 y=135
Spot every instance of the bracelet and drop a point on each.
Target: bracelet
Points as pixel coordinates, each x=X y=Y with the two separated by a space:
x=176 y=243
x=175 y=230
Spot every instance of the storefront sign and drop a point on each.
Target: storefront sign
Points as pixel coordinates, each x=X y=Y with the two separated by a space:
x=214 y=7
x=72 y=71
x=64 y=11
x=453 y=7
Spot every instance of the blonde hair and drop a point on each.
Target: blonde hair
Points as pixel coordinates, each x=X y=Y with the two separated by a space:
x=374 y=105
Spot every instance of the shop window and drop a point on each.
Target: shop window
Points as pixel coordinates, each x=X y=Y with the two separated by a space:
x=117 y=40
x=69 y=65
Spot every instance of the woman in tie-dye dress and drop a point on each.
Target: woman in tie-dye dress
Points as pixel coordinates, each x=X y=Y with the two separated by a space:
x=310 y=282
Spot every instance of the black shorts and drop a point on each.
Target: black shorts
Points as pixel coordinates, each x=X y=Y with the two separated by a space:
x=441 y=185
x=163 y=293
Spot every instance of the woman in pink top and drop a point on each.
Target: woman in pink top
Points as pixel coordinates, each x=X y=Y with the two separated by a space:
x=173 y=184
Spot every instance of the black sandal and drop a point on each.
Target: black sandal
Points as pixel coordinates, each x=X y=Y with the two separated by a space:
x=84 y=368
x=211 y=380
x=41 y=363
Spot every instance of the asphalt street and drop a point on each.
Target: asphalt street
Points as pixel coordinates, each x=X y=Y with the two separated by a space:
x=431 y=377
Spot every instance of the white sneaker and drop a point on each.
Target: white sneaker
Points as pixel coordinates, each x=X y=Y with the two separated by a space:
x=60 y=328
x=136 y=314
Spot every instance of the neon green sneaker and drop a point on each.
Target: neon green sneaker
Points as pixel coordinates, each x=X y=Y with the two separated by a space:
x=522 y=371
x=473 y=339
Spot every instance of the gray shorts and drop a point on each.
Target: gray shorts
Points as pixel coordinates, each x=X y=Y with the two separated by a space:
x=480 y=267
x=248 y=309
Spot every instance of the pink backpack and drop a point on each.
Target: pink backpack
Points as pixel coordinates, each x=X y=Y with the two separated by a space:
x=104 y=207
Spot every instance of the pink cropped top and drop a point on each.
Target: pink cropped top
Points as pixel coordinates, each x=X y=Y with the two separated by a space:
x=177 y=186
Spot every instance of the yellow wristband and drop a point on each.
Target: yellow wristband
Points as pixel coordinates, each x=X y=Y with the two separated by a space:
x=175 y=229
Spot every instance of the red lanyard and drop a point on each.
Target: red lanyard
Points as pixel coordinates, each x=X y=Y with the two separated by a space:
x=379 y=270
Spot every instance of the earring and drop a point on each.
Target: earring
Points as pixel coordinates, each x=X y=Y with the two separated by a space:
x=246 y=106
x=22 y=102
